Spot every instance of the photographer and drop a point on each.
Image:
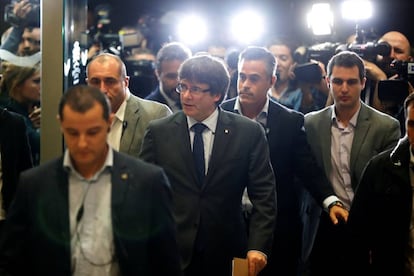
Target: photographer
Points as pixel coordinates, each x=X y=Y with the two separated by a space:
x=24 y=38
x=382 y=70
x=293 y=89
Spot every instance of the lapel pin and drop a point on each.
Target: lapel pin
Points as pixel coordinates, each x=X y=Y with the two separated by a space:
x=226 y=131
x=124 y=176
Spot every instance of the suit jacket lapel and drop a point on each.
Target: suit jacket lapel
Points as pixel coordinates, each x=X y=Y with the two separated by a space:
x=119 y=178
x=132 y=117
x=222 y=138
x=184 y=151
x=361 y=130
x=61 y=205
x=325 y=133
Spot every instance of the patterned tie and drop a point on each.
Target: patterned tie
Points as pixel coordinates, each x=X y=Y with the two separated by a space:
x=198 y=150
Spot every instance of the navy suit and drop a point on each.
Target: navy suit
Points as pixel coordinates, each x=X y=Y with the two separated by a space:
x=292 y=160
x=158 y=97
x=37 y=234
x=209 y=216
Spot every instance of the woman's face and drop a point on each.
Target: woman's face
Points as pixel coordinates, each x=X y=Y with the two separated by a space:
x=30 y=89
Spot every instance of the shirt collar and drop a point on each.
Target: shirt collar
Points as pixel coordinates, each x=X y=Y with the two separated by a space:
x=264 y=112
x=68 y=165
x=353 y=120
x=210 y=121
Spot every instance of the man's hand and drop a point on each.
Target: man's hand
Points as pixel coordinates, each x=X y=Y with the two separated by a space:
x=256 y=261
x=337 y=214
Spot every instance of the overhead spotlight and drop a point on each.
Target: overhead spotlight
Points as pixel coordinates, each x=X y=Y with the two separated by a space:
x=357 y=9
x=320 y=19
x=247 y=26
x=192 y=29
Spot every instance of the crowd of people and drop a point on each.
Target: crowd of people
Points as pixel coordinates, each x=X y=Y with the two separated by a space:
x=228 y=155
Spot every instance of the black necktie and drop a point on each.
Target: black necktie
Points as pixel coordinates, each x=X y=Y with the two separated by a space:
x=198 y=150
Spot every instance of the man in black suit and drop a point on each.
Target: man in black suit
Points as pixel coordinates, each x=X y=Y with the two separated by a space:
x=168 y=60
x=93 y=211
x=15 y=157
x=207 y=196
x=290 y=154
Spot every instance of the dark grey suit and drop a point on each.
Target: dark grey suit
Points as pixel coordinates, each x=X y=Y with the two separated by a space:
x=209 y=218
x=37 y=237
x=374 y=133
x=138 y=114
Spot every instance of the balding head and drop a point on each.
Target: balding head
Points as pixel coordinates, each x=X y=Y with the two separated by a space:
x=400 y=46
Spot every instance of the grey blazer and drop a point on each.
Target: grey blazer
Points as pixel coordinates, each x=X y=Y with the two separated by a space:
x=138 y=114
x=374 y=133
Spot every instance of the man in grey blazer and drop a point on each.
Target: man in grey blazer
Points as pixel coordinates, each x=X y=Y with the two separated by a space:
x=343 y=137
x=207 y=205
x=132 y=114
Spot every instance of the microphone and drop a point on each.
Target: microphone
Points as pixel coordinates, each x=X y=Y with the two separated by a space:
x=124 y=126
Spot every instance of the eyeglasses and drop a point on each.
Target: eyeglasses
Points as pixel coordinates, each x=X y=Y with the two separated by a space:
x=193 y=89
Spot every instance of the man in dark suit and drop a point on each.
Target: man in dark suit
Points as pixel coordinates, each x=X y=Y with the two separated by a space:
x=15 y=157
x=381 y=216
x=343 y=137
x=169 y=58
x=132 y=114
x=290 y=155
x=93 y=211
x=207 y=195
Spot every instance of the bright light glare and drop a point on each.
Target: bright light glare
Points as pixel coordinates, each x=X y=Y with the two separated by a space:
x=247 y=26
x=320 y=19
x=192 y=30
x=357 y=9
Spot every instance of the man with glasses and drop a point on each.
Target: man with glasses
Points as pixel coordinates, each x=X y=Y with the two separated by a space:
x=343 y=137
x=210 y=157
x=132 y=114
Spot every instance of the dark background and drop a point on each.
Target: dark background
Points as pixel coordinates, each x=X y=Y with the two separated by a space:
x=284 y=17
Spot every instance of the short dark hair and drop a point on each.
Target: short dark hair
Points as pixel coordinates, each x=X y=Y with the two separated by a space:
x=347 y=59
x=171 y=51
x=209 y=70
x=82 y=98
x=260 y=53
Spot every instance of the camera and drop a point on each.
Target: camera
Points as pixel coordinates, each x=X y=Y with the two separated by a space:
x=309 y=72
x=404 y=69
x=368 y=50
x=31 y=19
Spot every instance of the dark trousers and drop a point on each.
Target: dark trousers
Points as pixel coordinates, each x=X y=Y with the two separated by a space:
x=331 y=250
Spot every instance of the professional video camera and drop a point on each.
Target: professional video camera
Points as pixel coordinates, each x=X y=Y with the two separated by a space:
x=31 y=19
x=116 y=43
x=396 y=90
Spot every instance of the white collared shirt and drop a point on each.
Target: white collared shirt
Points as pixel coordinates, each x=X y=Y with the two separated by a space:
x=115 y=134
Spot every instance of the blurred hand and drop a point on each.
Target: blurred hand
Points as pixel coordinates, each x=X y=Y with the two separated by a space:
x=35 y=116
x=256 y=261
x=22 y=8
x=337 y=214
x=374 y=72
